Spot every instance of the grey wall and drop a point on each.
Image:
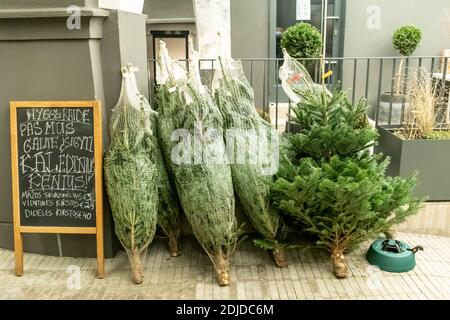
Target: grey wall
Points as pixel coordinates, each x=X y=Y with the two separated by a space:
x=168 y=15
x=360 y=41
x=169 y=9
x=54 y=64
x=23 y=78
x=28 y=4
x=250 y=30
x=124 y=41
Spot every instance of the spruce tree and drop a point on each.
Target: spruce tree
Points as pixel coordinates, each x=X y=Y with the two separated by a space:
x=330 y=184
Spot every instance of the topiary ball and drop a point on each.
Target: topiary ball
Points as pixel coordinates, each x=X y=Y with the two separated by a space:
x=302 y=41
x=406 y=39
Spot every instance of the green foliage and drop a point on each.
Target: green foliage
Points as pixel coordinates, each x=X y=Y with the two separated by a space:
x=205 y=190
x=302 y=41
x=438 y=135
x=271 y=245
x=327 y=181
x=264 y=115
x=344 y=201
x=168 y=208
x=235 y=99
x=406 y=39
x=330 y=126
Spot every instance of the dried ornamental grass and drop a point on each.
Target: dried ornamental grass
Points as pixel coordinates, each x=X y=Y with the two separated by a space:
x=425 y=114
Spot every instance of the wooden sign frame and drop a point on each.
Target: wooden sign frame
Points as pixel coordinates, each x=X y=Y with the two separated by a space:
x=98 y=176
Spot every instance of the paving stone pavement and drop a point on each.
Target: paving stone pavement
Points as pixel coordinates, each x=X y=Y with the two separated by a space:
x=253 y=275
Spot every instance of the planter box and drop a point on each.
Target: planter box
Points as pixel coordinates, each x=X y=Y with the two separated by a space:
x=398 y=105
x=431 y=158
x=293 y=127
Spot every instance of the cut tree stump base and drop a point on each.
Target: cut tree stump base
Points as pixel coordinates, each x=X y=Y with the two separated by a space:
x=174 y=246
x=279 y=258
x=137 y=268
x=223 y=279
x=222 y=265
x=340 y=268
x=175 y=253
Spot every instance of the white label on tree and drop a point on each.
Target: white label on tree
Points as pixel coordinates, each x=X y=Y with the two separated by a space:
x=303 y=9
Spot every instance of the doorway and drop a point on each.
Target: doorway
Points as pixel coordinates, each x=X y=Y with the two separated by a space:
x=177 y=43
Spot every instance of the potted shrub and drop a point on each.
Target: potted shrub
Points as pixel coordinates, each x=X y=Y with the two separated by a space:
x=405 y=40
x=422 y=142
x=302 y=40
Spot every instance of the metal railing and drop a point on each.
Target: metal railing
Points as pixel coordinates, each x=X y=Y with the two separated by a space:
x=372 y=78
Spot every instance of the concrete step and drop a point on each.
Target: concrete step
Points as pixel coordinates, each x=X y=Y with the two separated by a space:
x=283 y=110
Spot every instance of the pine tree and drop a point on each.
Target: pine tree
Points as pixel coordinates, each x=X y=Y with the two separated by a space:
x=330 y=184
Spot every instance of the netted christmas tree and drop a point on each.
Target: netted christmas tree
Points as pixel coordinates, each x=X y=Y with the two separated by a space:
x=169 y=211
x=253 y=151
x=193 y=145
x=131 y=174
x=330 y=184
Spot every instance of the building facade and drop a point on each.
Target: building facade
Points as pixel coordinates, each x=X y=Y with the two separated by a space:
x=41 y=58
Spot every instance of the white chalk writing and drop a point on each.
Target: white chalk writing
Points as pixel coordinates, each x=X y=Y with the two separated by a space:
x=56 y=163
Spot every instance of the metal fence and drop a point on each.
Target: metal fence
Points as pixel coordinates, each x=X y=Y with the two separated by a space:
x=372 y=78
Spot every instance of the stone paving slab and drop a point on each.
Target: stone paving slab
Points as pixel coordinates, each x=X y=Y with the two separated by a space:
x=253 y=275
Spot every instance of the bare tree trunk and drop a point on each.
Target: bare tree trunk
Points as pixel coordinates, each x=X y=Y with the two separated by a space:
x=398 y=80
x=136 y=267
x=340 y=268
x=223 y=268
x=174 y=245
x=279 y=257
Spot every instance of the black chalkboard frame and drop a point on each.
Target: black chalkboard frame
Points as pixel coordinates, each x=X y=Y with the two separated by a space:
x=98 y=176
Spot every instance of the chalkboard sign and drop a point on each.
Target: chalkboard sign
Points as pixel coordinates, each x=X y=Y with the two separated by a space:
x=57 y=169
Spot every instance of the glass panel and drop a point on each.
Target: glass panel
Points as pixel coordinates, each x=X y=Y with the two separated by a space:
x=176 y=47
x=286 y=17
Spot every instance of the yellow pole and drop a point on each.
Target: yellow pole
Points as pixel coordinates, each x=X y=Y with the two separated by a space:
x=324 y=34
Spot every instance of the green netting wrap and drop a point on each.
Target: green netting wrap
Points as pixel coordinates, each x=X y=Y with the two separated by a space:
x=192 y=142
x=131 y=175
x=169 y=212
x=253 y=152
x=168 y=208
